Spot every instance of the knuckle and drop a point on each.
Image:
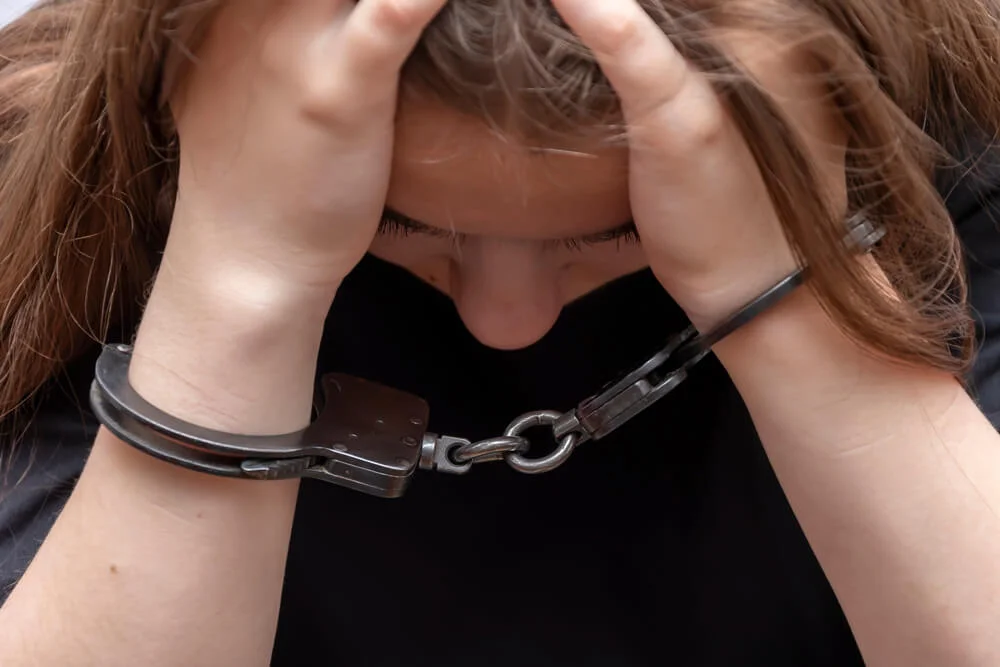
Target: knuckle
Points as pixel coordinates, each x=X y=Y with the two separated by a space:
x=321 y=102
x=618 y=32
x=337 y=103
x=693 y=123
x=681 y=126
x=703 y=123
x=706 y=123
x=396 y=17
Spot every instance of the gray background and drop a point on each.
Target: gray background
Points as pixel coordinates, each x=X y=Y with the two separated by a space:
x=11 y=8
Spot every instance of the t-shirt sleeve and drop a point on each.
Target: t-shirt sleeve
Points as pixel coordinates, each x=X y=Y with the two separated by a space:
x=974 y=202
x=36 y=478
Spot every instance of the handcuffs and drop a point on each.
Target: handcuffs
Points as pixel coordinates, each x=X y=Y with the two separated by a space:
x=373 y=438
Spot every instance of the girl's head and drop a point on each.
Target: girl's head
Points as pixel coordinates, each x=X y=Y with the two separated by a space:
x=510 y=181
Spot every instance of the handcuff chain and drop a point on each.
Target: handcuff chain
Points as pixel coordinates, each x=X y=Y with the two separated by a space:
x=371 y=438
x=593 y=419
x=618 y=403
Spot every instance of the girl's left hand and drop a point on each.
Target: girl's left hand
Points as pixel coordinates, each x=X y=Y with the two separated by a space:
x=707 y=223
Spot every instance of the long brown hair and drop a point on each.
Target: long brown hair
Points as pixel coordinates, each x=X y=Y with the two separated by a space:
x=88 y=153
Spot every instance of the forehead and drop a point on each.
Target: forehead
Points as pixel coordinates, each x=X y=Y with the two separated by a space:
x=452 y=171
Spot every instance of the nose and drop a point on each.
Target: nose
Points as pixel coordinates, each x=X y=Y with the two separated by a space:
x=507 y=293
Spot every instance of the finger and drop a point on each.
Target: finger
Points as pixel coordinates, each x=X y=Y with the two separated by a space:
x=647 y=72
x=379 y=36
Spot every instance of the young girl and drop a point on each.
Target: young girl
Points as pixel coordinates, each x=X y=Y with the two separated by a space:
x=508 y=205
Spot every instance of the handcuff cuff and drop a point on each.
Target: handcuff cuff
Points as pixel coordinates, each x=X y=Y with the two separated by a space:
x=373 y=438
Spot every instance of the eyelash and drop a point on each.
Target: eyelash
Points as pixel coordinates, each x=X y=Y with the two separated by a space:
x=396 y=224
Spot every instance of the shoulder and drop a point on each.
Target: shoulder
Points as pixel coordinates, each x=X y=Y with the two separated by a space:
x=41 y=457
x=971 y=187
x=971 y=191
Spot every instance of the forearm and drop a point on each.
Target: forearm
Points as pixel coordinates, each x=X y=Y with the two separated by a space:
x=151 y=564
x=894 y=475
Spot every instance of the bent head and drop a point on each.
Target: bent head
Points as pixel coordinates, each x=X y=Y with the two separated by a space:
x=509 y=187
x=510 y=233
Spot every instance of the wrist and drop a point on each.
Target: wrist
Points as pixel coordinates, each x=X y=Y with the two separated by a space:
x=795 y=336
x=796 y=365
x=713 y=297
x=244 y=281
x=228 y=350
x=710 y=300
x=256 y=253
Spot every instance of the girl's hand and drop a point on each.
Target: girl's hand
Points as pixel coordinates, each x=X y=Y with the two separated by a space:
x=286 y=146
x=708 y=226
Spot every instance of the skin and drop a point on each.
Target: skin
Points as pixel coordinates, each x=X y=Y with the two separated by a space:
x=509 y=208
x=508 y=211
x=893 y=473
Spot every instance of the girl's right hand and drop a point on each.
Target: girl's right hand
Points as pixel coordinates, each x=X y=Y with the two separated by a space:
x=286 y=120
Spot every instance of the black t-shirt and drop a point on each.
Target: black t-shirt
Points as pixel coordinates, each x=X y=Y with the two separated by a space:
x=670 y=542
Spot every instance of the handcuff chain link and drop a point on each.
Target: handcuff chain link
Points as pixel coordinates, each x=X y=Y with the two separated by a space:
x=490 y=449
x=593 y=419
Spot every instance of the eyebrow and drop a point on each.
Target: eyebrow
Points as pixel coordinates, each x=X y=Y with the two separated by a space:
x=424 y=228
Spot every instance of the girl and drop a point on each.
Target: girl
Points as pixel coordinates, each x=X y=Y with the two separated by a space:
x=498 y=207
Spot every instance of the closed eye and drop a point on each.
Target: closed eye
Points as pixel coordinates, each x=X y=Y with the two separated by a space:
x=394 y=223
